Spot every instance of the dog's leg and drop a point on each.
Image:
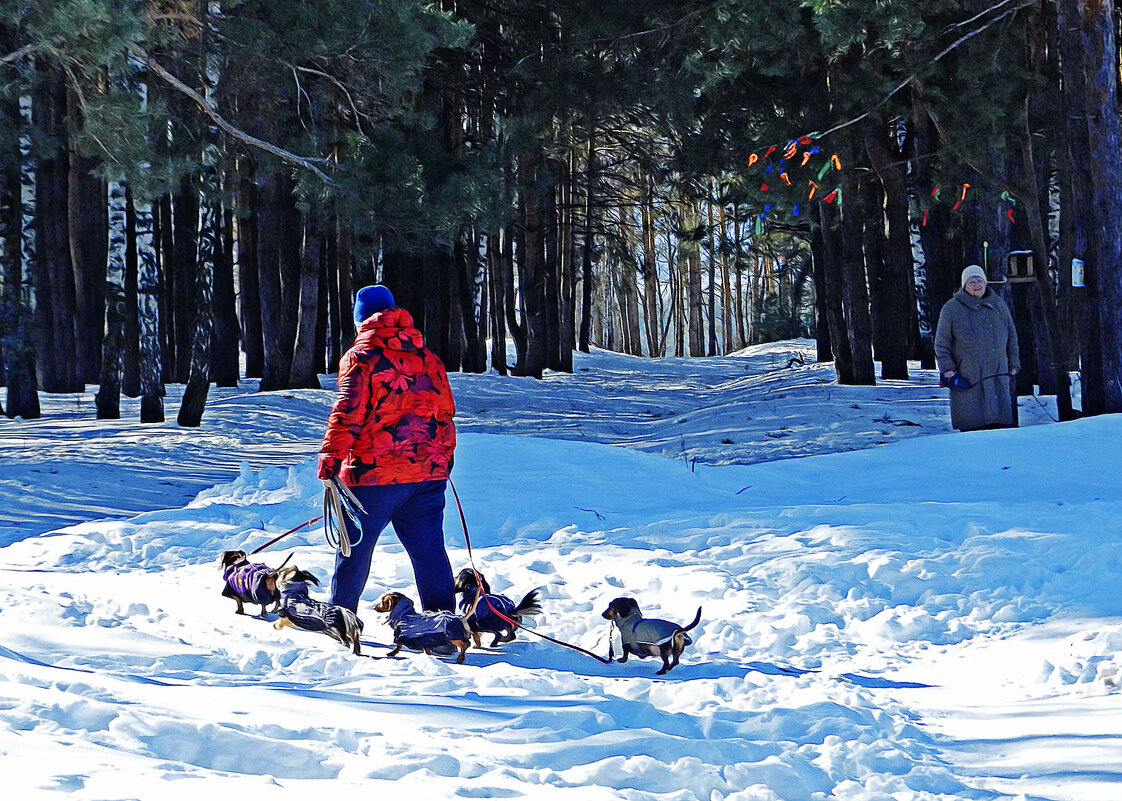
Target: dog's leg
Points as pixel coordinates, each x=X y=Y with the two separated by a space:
x=283 y=623
x=476 y=638
x=463 y=646
x=396 y=650
x=626 y=653
x=241 y=606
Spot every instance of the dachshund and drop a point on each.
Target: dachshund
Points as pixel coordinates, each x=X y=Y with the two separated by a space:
x=431 y=632
x=246 y=582
x=300 y=611
x=486 y=612
x=649 y=636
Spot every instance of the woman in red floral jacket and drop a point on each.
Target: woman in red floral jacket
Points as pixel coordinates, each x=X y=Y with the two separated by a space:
x=390 y=438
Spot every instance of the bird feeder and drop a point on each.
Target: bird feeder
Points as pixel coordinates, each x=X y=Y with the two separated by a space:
x=1019 y=266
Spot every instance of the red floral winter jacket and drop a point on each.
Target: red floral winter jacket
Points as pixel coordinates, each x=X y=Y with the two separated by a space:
x=392 y=420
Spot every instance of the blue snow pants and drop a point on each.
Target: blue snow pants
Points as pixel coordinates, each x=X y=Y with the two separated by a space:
x=417 y=514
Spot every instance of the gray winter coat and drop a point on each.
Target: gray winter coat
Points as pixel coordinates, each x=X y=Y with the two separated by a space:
x=977 y=339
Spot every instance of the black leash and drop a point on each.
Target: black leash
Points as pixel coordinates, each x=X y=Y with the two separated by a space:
x=479 y=584
x=960 y=384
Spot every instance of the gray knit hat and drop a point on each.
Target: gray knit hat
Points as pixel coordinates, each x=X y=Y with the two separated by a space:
x=973 y=271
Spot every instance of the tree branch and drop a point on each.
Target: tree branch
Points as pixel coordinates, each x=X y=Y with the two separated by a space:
x=1021 y=4
x=223 y=123
x=16 y=55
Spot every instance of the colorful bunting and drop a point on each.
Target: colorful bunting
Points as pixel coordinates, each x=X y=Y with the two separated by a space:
x=961 y=198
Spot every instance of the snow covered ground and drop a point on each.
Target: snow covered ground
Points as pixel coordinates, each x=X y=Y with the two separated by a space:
x=937 y=618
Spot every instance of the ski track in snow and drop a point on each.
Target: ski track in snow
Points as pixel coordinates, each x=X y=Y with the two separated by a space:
x=937 y=619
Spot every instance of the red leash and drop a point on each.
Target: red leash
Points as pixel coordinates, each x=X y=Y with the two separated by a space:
x=275 y=540
x=479 y=590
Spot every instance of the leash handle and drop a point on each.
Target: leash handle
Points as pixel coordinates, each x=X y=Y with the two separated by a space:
x=479 y=585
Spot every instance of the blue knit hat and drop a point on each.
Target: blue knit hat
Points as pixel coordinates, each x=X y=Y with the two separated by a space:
x=371 y=300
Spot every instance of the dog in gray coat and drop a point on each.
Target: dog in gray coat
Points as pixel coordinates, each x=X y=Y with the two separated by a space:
x=299 y=610
x=649 y=636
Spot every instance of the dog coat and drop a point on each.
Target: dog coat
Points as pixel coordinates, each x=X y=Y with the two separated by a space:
x=484 y=618
x=247 y=581
x=650 y=632
x=422 y=630
x=308 y=613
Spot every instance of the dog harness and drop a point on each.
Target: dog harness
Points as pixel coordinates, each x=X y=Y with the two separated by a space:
x=484 y=618
x=308 y=613
x=423 y=630
x=247 y=581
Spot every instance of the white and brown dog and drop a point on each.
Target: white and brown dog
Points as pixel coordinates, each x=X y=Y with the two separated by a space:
x=431 y=632
x=649 y=636
x=299 y=610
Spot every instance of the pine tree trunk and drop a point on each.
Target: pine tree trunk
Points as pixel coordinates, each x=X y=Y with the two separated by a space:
x=894 y=286
x=148 y=316
x=15 y=314
x=303 y=375
x=588 y=243
x=1089 y=53
x=712 y=293
x=727 y=311
x=88 y=247
x=54 y=276
x=834 y=282
x=689 y=255
x=531 y=358
x=651 y=282
x=130 y=347
x=225 y=357
x=198 y=382
x=271 y=221
x=497 y=270
x=182 y=258
x=249 y=296
x=108 y=398
x=859 y=324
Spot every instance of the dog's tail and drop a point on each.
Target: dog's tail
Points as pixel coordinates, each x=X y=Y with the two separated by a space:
x=352 y=626
x=528 y=606
x=696 y=620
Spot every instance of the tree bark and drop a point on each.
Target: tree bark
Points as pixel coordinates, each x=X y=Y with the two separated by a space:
x=893 y=286
x=18 y=346
x=108 y=398
x=1089 y=53
x=148 y=313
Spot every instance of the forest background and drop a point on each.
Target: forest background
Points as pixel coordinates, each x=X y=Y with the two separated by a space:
x=190 y=188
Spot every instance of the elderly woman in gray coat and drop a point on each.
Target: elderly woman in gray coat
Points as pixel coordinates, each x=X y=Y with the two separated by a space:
x=976 y=348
